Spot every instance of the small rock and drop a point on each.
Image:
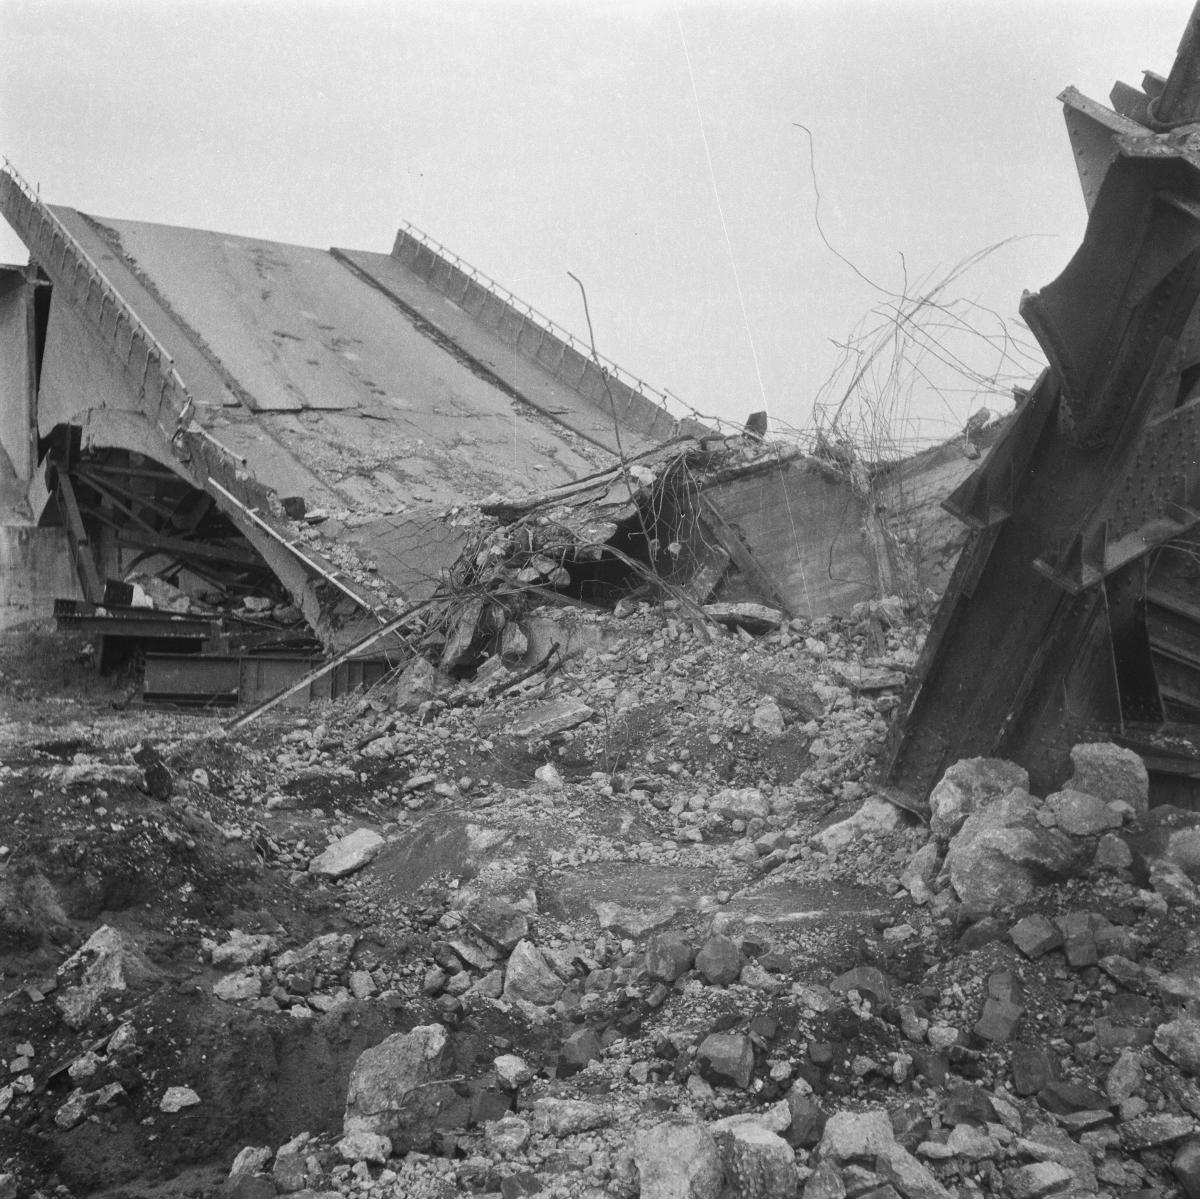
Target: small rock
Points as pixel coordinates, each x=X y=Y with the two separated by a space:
x=719 y=961
x=175 y=1099
x=857 y=1134
x=245 y=984
x=547 y=775
x=290 y=1171
x=768 y=718
x=581 y=1047
x=527 y=976
x=1173 y=884
x=242 y=950
x=1113 y=853
x=75 y=1110
x=1063 y=1098
x=554 y=717
x=250 y=1160
x=497 y=921
x=965 y=1140
x=348 y=854
x=511 y=1071
x=727 y=1058
x=875 y=816
x=1110 y=772
x=106 y=963
x=1035 y=935
x=668 y=957
x=507 y=1136
x=808 y=1119
x=1179 y=1040
x=868 y=981
x=1146 y=1132
x=363 y=1146
x=1038 y=1180
x=1080 y=814
x=1125 y=1078
x=629 y=922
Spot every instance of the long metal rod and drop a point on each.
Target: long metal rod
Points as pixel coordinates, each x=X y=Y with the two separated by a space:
x=291 y=546
x=392 y=626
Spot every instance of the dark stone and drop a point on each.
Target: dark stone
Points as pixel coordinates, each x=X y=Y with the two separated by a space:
x=911 y=1125
x=764 y=1027
x=1128 y=1008
x=578 y=1049
x=1113 y=1037
x=999 y=1021
x=1033 y=1067
x=868 y=981
x=1079 y=931
x=294 y=507
x=820 y=1053
x=719 y=961
x=932 y=1065
x=967 y=1104
x=658 y=995
x=157 y=778
x=1064 y=1097
x=982 y=932
x=1004 y=984
x=808 y=1121
x=668 y=957
x=487 y=1103
x=1035 y=935
x=754 y=946
x=727 y=1059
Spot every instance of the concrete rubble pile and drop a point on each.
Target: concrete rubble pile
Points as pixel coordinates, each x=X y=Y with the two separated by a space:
x=639 y=923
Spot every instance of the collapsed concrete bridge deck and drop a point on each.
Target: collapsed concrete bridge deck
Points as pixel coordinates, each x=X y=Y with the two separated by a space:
x=381 y=390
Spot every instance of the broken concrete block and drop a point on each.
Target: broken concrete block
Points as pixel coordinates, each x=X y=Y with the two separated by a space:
x=875 y=816
x=554 y=717
x=678 y=1159
x=969 y=785
x=106 y=963
x=396 y=1088
x=420 y=681
x=727 y=1058
x=758 y=1163
x=754 y=618
x=1110 y=772
x=527 y=976
x=1080 y=814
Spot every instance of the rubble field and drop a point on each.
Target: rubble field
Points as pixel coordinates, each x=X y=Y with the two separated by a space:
x=639 y=923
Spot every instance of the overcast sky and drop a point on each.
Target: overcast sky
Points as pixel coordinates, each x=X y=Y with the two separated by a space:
x=544 y=137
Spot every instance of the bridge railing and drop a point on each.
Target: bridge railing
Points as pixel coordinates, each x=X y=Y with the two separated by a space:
x=125 y=335
x=540 y=338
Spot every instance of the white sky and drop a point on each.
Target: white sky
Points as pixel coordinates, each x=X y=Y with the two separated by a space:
x=551 y=136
